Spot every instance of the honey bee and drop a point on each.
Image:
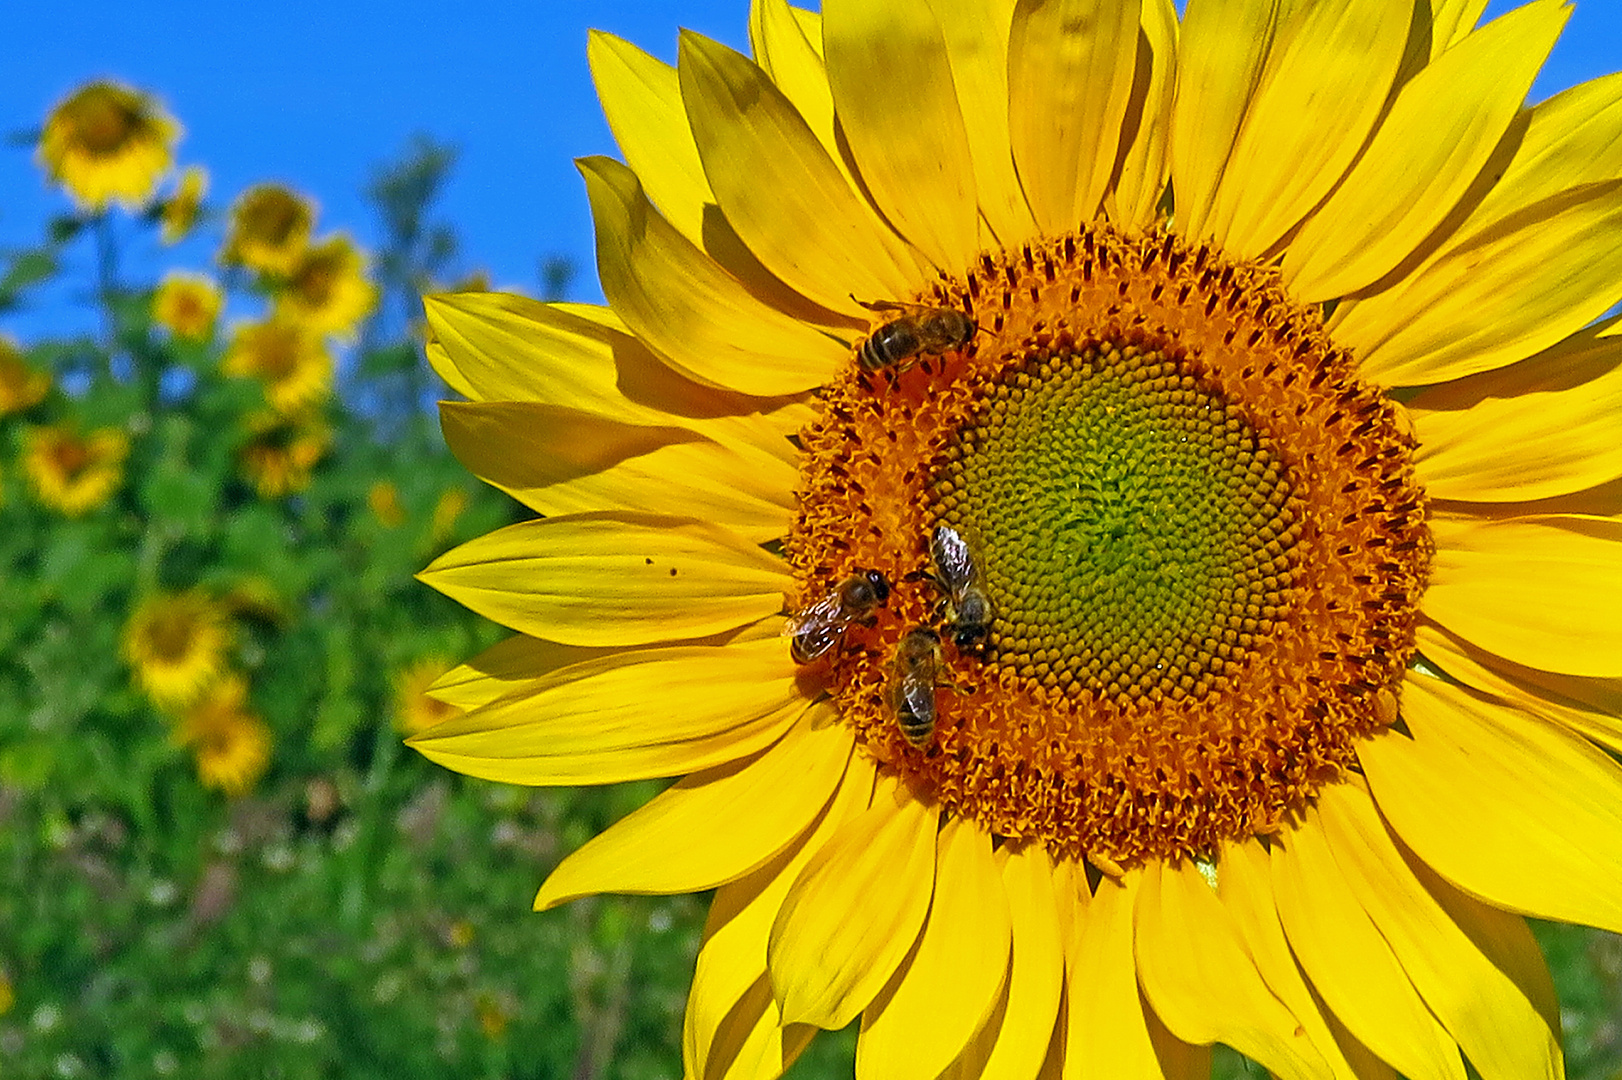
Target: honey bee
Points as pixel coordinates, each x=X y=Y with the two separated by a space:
x=918 y=329
x=817 y=627
x=957 y=571
x=913 y=679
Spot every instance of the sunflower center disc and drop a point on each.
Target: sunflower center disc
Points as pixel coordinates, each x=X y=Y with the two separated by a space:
x=1136 y=532
x=1199 y=533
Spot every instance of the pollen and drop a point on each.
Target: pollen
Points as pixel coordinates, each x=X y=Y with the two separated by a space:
x=1199 y=531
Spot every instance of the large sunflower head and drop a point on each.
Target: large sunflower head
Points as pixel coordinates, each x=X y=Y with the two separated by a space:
x=188 y=304
x=176 y=643
x=22 y=386
x=230 y=743
x=288 y=356
x=327 y=288
x=270 y=228
x=74 y=472
x=108 y=142
x=1113 y=516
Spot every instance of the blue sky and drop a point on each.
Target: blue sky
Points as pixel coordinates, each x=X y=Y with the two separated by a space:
x=317 y=94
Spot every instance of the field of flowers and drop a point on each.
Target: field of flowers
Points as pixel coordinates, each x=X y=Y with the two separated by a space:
x=217 y=857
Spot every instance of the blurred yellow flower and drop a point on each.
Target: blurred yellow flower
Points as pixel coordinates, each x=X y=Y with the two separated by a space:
x=74 y=473
x=493 y=1015
x=281 y=450
x=188 y=304
x=8 y=996
x=328 y=290
x=107 y=141
x=384 y=499
x=414 y=710
x=179 y=211
x=21 y=386
x=288 y=357
x=255 y=598
x=270 y=228
x=176 y=644
x=446 y=511
x=230 y=743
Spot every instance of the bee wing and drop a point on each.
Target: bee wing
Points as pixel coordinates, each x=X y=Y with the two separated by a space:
x=916 y=691
x=824 y=612
x=953 y=561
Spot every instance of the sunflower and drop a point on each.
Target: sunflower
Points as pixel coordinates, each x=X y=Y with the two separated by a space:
x=176 y=643
x=231 y=744
x=108 y=142
x=72 y=472
x=415 y=709
x=270 y=228
x=22 y=386
x=179 y=212
x=188 y=304
x=286 y=355
x=1218 y=400
x=327 y=289
x=280 y=451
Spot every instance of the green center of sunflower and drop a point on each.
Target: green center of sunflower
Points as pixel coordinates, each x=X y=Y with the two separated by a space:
x=1135 y=531
x=1189 y=536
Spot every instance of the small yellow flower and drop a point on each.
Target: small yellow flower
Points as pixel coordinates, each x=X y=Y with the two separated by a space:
x=21 y=386
x=231 y=744
x=328 y=289
x=281 y=450
x=188 y=304
x=414 y=710
x=107 y=141
x=493 y=1015
x=180 y=210
x=446 y=511
x=270 y=228
x=384 y=499
x=287 y=356
x=176 y=644
x=8 y=996
x=460 y=935
x=71 y=472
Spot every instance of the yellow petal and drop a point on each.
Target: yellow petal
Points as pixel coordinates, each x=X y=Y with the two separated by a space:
x=1572 y=139
x=855 y=911
x=1542 y=591
x=945 y=991
x=1544 y=427
x=794 y=63
x=490 y=341
x=1441 y=129
x=1017 y=1040
x=613 y=579
x=1492 y=1018
x=1245 y=885
x=1195 y=972
x=1546 y=271
x=898 y=109
x=1508 y=808
x=1590 y=707
x=564 y=461
x=684 y=305
x=977 y=45
x=1107 y=1033
x=1220 y=56
x=724 y=1009
x=632 y=716
x=1349 y=963
x=642 y=102
x=1070 y=75
x=1135 y=197
x=711 y=827
x=779 y=188
x=514 y=664
x=1327 y=76
x=1451 y=20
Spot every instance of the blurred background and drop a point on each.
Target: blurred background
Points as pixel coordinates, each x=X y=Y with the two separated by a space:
x=219 y=470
